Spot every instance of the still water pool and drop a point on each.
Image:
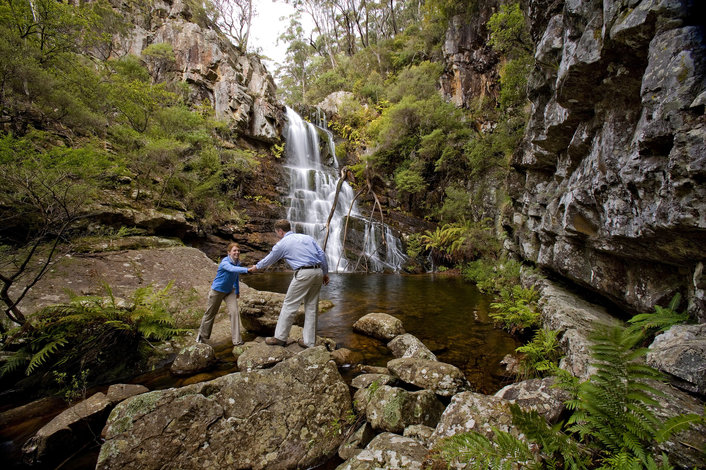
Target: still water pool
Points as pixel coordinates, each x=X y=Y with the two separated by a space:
x=446 y=313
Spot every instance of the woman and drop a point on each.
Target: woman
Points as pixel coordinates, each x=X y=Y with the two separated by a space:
x=224 y=287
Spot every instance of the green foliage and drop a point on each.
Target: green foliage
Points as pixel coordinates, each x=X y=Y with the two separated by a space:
x=516 y=310
x=612 y=408
x=493 y=275
x=418 y=82
x=540 y=355
x=479 y=452
x=662 y=319
x=90 y=332
x=509 y=33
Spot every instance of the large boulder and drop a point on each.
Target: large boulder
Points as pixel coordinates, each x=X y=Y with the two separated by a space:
x=470 y=411
x=574 y=319
x=259 y=310
x=379 y=325
x=194 y=358
x=537 y=394
x=68 y=431
x=443 y=379
x=407 y=345
x=389 y=451
x=681 y=352
x=276 y=418
x=392 y=409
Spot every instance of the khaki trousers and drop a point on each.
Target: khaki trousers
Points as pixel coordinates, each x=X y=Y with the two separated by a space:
x=214 y=303
x=305 y=287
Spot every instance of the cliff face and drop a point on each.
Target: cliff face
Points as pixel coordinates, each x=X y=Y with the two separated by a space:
x=237 y=85
x=471 y=64
x=608 y=189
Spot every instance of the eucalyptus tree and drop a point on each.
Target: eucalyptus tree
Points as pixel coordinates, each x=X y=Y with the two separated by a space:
x=235 y=19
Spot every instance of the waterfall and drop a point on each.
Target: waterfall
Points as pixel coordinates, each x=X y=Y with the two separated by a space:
x=312 y=190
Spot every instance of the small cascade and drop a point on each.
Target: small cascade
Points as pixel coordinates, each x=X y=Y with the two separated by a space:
x=371 y=246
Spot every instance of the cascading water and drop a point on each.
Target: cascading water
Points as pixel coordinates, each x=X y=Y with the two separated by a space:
x=312 y=192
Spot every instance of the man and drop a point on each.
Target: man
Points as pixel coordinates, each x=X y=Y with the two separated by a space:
x=225 y=286
x=308 y=261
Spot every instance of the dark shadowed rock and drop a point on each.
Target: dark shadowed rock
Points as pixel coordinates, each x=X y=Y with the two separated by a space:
x=68 y=431
x=356 y=441
x=277 y=418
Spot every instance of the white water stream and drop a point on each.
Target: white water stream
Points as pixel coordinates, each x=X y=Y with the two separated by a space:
x=312 y=192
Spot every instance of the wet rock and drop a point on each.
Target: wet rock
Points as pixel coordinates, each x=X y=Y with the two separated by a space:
x=68 y=431
x=272 y=418
x=389 y=451
x=681 y=352
x=538 y=395
x=392 y=409
x=192 y=359
x=345 y=357
x=441 y=378
x=407 y=345
x=379 y=325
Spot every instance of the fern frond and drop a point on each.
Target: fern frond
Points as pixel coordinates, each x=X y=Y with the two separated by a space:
x=17 y=360
x=679 y=423
x=39 y=358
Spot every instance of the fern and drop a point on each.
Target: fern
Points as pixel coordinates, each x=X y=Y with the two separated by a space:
x=517 y=309
x=611 y=407
x=662 y=319
x=91 y=332
x=540 y=354
x=477 y=452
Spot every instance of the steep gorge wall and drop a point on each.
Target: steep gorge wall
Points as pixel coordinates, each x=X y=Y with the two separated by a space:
x=608 y=189
x=235 y=84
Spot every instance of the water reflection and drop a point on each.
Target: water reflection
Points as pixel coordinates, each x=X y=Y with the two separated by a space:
x=446 y=313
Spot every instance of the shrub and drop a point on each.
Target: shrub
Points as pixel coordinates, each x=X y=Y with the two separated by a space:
x=516 y=310
x=491 y=275
x=90 y=333
x=539 y=355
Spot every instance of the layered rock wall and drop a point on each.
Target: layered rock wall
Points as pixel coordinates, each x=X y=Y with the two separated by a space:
x=608 y=189
x=236 y=84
